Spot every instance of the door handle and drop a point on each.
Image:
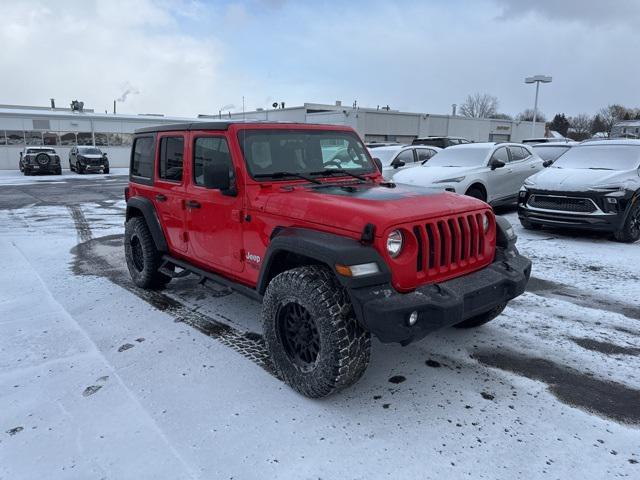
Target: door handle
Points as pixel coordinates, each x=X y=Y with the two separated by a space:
x=161 y=198
x=192 y=204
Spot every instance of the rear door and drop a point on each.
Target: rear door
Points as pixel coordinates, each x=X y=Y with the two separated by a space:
x=213 y=218
x=424 y=154
x=522 y=164
x=169 y=188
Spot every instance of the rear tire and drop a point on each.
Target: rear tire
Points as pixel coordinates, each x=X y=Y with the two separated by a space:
x=483 y=318
x=143 y=258
x=316 y=344
x=528 y=225
x=475 y=192
x=630 y=231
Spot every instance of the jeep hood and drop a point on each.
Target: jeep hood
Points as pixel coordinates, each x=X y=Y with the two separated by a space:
x=578 y=179
x=351 y=207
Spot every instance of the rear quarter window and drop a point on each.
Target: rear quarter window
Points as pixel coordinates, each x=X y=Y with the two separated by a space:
x=142 y=154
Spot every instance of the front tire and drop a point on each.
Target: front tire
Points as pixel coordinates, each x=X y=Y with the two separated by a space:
x=316 y=344
x=79 y=168
x=143 y=258
x=105 y=170
x=483 y=318
x=630 y=231
x=475 y=192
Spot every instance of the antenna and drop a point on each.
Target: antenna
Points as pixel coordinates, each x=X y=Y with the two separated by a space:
x=243 y=118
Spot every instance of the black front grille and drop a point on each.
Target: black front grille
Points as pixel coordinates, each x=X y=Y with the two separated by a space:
x=564 y=204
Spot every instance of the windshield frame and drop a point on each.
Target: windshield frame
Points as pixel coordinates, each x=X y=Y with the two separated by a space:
x=579 y=149
x=263 y=177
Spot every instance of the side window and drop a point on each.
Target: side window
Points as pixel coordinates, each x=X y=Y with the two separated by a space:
x=171 y=158
x=208 y=150
x=405 y=156
x=424 y=154
x=142 y=157
x=501 y=154
x=518 y=153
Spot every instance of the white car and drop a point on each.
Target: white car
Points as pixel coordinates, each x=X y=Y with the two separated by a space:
x=400 y=157
x=492 y=172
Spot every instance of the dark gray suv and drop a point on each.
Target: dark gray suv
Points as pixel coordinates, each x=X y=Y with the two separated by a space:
x=88 y=159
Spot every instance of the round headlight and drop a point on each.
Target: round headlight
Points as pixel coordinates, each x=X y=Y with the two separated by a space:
x=394 y=243
x=485 y=222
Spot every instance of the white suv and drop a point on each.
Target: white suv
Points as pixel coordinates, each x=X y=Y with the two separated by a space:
x=493 y=172
x=399 y=157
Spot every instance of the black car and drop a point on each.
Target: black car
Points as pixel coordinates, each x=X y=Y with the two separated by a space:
x=440 y=142
x=595 y=185
x=88 y=159
x=39 y=160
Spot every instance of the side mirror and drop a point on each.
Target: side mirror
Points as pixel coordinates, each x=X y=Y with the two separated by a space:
x=547 y=163
x=217 y=177
x=378 y=164
x=495 y=163
x=397 y=163
x=20 y=154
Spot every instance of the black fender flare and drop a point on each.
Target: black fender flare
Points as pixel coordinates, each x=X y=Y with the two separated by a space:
x=145 y=206
x=326 y=248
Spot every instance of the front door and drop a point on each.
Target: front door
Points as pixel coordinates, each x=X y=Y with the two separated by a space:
x=213 y=217
x=169 y=189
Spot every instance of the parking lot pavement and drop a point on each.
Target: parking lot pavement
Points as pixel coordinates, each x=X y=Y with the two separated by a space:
x=99 y=379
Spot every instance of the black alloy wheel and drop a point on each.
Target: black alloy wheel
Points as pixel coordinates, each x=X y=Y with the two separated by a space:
x=299 y=335
x=137 y=255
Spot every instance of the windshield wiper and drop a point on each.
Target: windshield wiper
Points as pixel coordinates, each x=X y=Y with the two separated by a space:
x=287 y=174
x=340 y=171
x=599 y=168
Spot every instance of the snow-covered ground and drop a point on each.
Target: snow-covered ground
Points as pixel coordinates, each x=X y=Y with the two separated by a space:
x=101 y=380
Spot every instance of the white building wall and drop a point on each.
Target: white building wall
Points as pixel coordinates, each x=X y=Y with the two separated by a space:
x=61 y=122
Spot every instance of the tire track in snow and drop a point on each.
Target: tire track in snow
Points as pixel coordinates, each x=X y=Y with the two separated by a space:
x=89 y=260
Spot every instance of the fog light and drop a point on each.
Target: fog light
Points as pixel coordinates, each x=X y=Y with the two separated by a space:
x=612 y=200
x=413 y=318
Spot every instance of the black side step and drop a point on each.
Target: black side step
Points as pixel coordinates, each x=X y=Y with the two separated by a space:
x=205 y=275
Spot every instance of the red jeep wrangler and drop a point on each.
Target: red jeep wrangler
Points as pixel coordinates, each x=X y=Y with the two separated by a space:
x=299 y=217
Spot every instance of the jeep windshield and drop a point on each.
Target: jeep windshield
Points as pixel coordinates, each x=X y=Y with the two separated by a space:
x=604 y=157
x=274 y=153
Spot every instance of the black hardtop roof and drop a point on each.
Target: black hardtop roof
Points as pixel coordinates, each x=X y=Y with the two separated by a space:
x=215 y=125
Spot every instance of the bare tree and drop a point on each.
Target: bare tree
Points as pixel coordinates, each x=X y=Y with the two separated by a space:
x=611 y=115
x=527 y=116
x=580 y=128
x=479 y=105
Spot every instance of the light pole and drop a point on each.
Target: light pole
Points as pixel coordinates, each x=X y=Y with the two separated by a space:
x=537 y=79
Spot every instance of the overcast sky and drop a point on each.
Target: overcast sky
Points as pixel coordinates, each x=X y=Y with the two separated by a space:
x=189 y=57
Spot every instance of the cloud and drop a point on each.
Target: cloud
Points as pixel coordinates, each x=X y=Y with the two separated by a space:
x=595 y=13
x=187 y=57
x=89 y=50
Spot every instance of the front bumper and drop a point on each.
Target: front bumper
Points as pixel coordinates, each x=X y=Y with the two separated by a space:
x=385 y=312
x=608 y=217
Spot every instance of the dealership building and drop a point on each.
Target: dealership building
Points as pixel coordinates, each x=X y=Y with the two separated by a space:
x=62 y=128
x=384 y=124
